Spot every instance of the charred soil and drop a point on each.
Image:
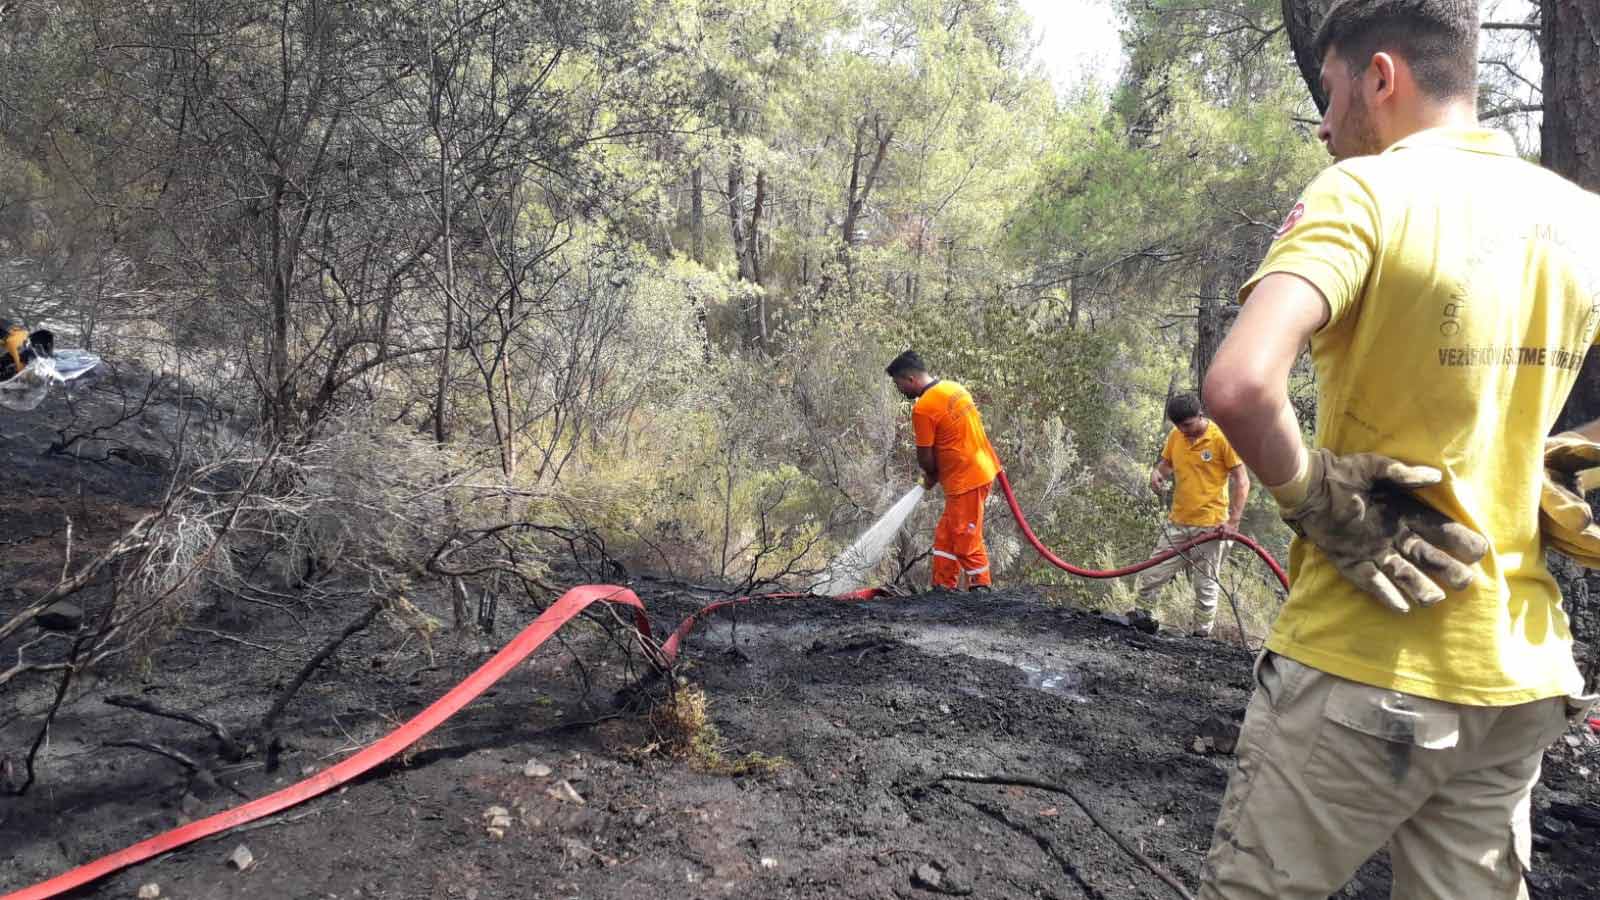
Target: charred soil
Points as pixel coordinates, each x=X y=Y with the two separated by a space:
x=833 y=726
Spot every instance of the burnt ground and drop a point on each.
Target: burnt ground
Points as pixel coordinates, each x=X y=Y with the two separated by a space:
x=839 y=720
x=866 y=705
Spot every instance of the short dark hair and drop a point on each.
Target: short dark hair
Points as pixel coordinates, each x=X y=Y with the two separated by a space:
x=906 y=363
x=1182 y=406
x=1437 y=38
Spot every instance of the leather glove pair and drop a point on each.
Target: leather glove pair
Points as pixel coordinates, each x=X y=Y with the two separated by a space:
x=1358 y=510
x=1565 y=519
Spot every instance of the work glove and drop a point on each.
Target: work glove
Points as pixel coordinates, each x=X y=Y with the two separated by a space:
x=1358 y=510
x=1565 y=519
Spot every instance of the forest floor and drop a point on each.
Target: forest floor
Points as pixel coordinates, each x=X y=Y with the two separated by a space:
x=835 y=723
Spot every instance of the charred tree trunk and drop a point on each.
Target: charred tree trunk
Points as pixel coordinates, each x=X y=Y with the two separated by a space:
x=1212 y=321
x=747 y=241
x=1073 y=304
x=753 y=247
x=1302 y=18
x=697 y=213
x=862 y=183
x=442 y=387
x=1569 y=43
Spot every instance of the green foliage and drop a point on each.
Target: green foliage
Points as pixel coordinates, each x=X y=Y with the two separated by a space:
x=650 y=257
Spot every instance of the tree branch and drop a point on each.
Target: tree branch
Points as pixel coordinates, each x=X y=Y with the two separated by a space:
x=1511 y=26
x=1020 y=781
x=1511 y=109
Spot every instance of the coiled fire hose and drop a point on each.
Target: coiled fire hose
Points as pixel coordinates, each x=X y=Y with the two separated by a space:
x=498 y=666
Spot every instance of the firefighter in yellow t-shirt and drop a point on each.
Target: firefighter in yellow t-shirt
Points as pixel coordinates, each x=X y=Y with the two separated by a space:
x=954 y=452
x=1210 y=486
x=1422 y=663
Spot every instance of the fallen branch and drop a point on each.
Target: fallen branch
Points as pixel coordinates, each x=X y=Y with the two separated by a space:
x=1045 y=844
x=235 y=639
x=905 y=566
x=134 y=540
x=230 y=749
x=270 y=720
x=177 y=756
x=198 y=774
x=70 y=670
x=1023 y=781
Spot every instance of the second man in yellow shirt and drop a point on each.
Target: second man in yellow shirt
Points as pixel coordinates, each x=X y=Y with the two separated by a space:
x=1210 y=491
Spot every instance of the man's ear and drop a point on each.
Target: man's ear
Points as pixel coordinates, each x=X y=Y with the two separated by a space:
x=1384 y=66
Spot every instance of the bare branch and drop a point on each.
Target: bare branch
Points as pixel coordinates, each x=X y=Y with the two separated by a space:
x=1512 y=26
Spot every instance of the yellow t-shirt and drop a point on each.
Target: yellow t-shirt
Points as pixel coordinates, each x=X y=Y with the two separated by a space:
x=946 y=419
x=1200 y=473
x=1463 y=286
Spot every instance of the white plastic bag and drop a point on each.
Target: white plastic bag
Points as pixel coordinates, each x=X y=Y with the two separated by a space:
x=27 y=390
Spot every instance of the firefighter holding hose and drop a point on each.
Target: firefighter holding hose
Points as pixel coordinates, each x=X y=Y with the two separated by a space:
x=1423 y=661
x=954 y=452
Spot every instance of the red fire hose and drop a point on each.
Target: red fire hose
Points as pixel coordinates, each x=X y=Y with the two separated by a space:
x=1221 y=534
x=564 y=609
x=570 y=604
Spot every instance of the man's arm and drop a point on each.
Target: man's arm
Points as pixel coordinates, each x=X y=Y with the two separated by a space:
x=1159 y=475
x=1238 y=493
x=929 y=461
x=1247 y=388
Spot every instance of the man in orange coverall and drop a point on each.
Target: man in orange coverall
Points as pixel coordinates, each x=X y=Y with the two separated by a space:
x=954 y=452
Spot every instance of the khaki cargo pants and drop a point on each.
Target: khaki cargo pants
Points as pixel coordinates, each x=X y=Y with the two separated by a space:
x=1202 y=564
x=1331 y=770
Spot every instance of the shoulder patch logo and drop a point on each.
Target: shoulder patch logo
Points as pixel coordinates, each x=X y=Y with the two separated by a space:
x=1205 y=456
x=1291 y=220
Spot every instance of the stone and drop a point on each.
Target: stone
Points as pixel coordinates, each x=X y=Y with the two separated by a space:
x=1543 y=884
x=955 y=883
x=149 y=891
x=926 y=876
x=536 y=769
x=1550 y=827
x=1587 y=815
x=940 y=879
x=1140 y=620
x=1222 y=733
x=496 y=820
x=241 y=858
x=1115 y=619
x=566 y=793
x=60 y=616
